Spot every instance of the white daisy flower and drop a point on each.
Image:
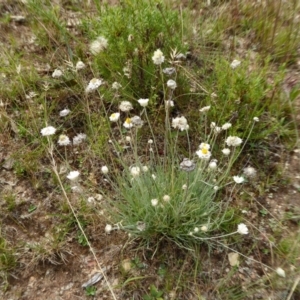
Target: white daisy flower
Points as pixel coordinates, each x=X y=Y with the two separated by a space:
x=204 y=228
x=166 y=198
x=145 y=169
x=137 y=121
x=204 y=109
x=238 y=179
x=235 y=63
x=226 y=151
x=98 y=45
x=93 y=85
x=204 y=145
x=125 y=106
x=216 y=129
x=73 y=175
x=233 y=141
x=256 y=119
x=249 y=172
x=50 y=130
x=213 y=165
x=158 y=57
x=104 y=169
x=64 y=112
x=204 y=154
x=143 y=102
x=169 y=103
x=79 y=138
x=116 y=86
x=135 y=171
x=79 y=65
x=108 y=228
x=63 y=140
x=171 y=84
x=180 y=123
x=154 y=202
x=187 y=165
x=280 y=272
x=242 y=229
x=128 y=124
x=114 y=117
x=169 y=71
x=226 y=126
x=57 y=73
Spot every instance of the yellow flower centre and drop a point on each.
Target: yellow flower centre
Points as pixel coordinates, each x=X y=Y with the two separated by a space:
x=128 y=121
x=204 y=150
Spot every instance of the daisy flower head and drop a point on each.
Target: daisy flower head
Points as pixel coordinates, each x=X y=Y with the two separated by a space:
x=79 y=65
x=108 y=228
x=57 y=73
x=64 y=112
x=216 y=128
x=226 y=151
x=187 y=165
x=93 y=85
x=73 y=175
x=249 y=172
x=128 y=123
x=238 y=179
x=98 y=45
x=79 y=138
x=226 y=126
x=235 y=63
x=204 y=145
x=64 y=140
x=143 y=102
x=233 y=141
x=104 y=170
x=171 y=84
x=204 y=109
x=204 y=228
x=116 y=86
x=154 y=202
x=256 y=119
x=166 y=198
x=114 y=117
x=125 y=106
x=141 y=226
x=137 y=121
x=50 y=130
x=145 y=169
x=180 y=123
x=135 y=171
x=158 y=57
x=213 y=164
x=242 y=229
x=204 y=154
x=280 y=272
x=169 y=103
x=169 y=71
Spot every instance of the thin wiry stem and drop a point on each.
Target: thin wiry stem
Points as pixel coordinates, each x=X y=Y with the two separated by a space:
x=54 y=167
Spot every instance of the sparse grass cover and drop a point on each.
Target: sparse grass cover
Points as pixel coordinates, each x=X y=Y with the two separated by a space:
x=145 y=144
